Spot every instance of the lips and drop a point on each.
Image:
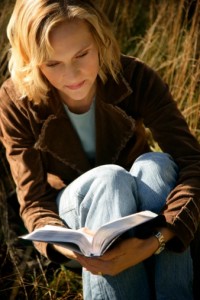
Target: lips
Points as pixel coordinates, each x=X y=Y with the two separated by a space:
x=75 y=86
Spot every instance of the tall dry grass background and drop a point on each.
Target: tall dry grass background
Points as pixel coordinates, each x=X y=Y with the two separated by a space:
x=165 y=35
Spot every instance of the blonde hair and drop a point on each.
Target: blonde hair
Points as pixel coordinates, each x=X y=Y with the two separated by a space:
x=28 y=32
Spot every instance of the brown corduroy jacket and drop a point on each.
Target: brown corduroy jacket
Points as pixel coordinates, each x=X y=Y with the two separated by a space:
x=45 y=153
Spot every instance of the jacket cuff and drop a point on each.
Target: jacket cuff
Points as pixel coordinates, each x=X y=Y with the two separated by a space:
x=50 y=253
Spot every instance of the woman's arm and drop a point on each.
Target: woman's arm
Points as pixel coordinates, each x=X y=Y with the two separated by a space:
x=152 y=102
x=35 y=195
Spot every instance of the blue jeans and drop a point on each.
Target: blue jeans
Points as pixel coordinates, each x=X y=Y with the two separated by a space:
x=108 y=192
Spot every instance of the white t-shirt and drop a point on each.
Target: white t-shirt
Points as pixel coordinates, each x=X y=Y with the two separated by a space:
x=84 y=125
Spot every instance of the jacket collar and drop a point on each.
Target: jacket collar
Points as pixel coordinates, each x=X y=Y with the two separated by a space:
x=113 y=92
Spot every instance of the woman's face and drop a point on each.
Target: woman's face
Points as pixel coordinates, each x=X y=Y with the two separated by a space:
x=73 y=67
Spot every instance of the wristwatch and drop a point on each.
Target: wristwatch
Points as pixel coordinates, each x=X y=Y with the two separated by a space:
x=161 y=241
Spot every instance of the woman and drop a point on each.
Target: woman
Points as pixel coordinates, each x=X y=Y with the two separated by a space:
x=73 y=118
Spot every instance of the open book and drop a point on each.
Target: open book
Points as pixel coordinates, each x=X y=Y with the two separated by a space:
x=88 y=245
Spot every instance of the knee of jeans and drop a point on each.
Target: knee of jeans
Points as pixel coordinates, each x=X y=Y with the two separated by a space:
x=157 y=162
x=117 y=179
x=110 y=172
x=112 y=176
x=162 y=160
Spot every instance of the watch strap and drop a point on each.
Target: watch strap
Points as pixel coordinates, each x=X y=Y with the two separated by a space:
x=161 y=241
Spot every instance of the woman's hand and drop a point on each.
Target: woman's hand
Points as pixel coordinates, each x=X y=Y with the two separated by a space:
x=127 y=253
x=66 y=252
x=69 y=253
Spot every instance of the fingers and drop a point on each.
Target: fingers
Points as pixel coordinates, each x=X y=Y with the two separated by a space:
x=64 y=251
x=88 y=231
x=97 y=266
x=102 y=265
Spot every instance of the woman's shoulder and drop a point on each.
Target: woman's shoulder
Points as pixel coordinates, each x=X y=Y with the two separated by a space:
x=131 y=64
x=12 y=101
x=9 y=93
x=134 y=69
x=130 y=61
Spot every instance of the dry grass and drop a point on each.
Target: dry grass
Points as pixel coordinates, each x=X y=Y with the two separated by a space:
x=171 y=45
x=164 y=34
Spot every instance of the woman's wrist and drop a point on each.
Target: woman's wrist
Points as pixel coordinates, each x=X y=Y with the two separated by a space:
x=162 y=235
x=152 y=244
x=167 y=233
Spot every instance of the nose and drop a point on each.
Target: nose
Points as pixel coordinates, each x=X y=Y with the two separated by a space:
x=70 y=72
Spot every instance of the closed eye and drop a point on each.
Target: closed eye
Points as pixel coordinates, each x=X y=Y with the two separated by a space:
x=54 y=64
x=82 y=54
x=51 y=65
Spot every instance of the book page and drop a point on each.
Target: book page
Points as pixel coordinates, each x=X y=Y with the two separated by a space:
x=111 y=230
x=62 y=236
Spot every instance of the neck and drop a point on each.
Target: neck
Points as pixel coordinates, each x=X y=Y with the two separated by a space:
x=78 y=106
x=80 y=109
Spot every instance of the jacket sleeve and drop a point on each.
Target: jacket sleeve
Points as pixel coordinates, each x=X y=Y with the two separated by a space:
x=155 y=105
x=35 y=195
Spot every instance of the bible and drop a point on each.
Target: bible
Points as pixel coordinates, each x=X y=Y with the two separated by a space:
x=104 y=237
